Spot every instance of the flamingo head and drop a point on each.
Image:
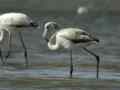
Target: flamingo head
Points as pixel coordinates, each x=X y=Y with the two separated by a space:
x=49 y=29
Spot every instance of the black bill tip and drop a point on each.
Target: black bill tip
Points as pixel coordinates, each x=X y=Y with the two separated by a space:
x=33 y=24
x=96 y=39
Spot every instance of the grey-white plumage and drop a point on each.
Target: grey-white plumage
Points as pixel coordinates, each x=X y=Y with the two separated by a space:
x=68 y=38
x=15 y=22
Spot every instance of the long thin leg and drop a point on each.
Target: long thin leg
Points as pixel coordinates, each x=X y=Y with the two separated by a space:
x=9 y=46
x=1 y=57
x=25 y=49
x=98 y=61
x=71 y=64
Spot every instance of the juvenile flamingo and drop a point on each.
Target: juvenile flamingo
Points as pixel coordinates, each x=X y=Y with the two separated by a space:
x=68 y=38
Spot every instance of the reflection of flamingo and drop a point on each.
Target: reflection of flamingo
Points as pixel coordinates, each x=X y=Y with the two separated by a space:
x=68 y=38
x=15 y=22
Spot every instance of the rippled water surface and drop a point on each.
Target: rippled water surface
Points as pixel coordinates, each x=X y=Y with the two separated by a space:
x=49 y=70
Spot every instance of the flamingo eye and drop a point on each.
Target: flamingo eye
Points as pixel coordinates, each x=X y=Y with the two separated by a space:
x=48 y=27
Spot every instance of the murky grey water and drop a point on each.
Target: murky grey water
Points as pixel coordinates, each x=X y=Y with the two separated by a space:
x=49 y=70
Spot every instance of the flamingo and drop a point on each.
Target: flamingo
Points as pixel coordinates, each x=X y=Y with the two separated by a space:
x=15 y=22
x=68 y=38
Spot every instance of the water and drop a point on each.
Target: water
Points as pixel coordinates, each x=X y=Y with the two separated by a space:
x=49 y=70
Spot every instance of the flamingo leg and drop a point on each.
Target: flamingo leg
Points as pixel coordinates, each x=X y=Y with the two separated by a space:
x=98 y=61
x=71 y=64
x=25 y=50
x=9 y=46
x=1 y=57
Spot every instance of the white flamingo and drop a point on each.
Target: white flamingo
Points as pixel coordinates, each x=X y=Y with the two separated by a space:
x=15 y=22
x=68 y=38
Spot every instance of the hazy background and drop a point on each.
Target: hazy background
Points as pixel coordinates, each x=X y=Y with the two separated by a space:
x=36 y=6
x=49 y=70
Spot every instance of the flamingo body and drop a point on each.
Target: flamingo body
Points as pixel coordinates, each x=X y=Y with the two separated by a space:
x=68 y=38
x=15 y=22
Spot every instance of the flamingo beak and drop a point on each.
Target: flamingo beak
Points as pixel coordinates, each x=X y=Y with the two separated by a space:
x=96 y=39
x=47 y=39
x=33 y=24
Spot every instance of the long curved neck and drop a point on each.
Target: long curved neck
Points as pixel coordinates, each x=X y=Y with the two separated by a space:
x=45 y=34
x=51 y=45
x=1 y=35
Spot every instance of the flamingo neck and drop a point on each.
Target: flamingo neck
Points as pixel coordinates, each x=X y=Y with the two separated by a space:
x=1 y=35
x=52 y=44
x=47 y=34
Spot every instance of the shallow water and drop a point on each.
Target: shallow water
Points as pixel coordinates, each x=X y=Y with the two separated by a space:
x=49 y=70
